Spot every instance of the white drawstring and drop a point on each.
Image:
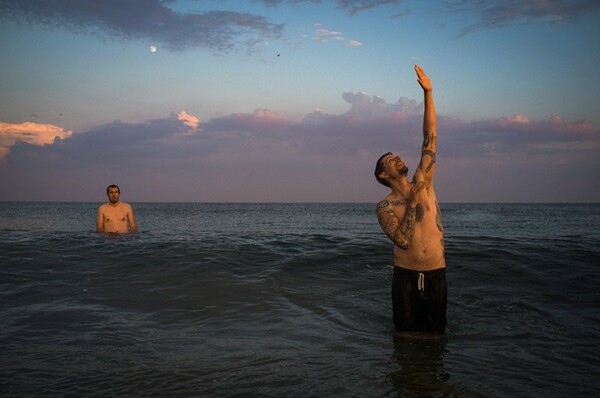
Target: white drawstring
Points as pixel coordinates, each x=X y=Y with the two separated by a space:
x=421 y=282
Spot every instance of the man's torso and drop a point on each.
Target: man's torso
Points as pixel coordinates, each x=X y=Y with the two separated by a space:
x=115 y=217
x=426 y=251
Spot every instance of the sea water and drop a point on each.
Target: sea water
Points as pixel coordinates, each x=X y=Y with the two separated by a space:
x=293 y=300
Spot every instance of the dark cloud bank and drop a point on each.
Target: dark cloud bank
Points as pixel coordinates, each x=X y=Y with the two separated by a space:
x=148 y=20
x=321 y=157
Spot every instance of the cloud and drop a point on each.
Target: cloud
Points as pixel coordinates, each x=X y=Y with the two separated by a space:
x=116 y=144
x=31 y=133
x=263 y=155
x=355 y=6
x=517 y=119
x=365 y=107
x=260 y=121
x=350 y=6
x=501 y=13
x=147 y=20
x=518 y=135
x=323 y=35
x=370 y=124
x=189 y=120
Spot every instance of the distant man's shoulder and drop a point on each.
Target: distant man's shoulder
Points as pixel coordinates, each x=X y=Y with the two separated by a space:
x=127 y=206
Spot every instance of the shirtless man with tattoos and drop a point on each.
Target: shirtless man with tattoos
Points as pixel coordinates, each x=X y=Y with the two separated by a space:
x=115 y=217
x=410 y=217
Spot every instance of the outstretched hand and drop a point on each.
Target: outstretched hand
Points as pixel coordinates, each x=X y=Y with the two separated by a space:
x=423 y=79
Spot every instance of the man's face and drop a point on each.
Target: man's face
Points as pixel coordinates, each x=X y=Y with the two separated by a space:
x=113 y=195
x=394 y=166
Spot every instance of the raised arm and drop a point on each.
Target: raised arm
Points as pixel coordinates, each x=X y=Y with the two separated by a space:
x=426 y=167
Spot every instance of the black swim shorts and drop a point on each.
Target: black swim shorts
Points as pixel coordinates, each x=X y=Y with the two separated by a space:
x=419 y=300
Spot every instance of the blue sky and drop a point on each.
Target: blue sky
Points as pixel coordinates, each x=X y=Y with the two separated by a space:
x=295 y=100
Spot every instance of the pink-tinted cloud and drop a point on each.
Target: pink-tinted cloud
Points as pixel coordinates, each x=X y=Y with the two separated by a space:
x=365 y=107
x=370 y=124
x=518 y=134
x=260 y=121
x=31 y=133
x=189 y=120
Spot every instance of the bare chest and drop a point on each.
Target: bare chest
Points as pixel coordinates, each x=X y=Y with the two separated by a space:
x=115 y=215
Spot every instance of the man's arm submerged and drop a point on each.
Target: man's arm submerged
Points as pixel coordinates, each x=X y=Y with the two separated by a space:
x=131 y=219
x=100 y=221
x=426 y=167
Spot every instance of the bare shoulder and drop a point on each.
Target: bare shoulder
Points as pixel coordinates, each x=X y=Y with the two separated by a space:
x=124 y=206
x=390 y=206
x=386 y=203
x=391 y=202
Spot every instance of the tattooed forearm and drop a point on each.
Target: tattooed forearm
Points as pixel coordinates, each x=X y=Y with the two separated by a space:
x=400 y=232
x=403 y=233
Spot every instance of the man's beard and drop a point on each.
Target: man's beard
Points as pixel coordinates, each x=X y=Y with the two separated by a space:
x=113 y=201
x=403 y=170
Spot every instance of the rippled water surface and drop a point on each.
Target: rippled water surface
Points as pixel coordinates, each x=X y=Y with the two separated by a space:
x=293 y=300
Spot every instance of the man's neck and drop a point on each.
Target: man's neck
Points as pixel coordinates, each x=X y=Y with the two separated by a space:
x=400 y=187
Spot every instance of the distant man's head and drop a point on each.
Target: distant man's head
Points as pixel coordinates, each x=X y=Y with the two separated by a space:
x=113 y=192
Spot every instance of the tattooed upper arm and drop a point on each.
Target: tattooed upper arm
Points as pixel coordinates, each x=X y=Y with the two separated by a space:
x=426 y=166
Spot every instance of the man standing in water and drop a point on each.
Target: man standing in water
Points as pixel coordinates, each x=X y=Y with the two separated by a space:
x=115 y=217
x=410 y=217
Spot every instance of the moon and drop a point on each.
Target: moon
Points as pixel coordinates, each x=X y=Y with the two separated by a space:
x=152 y=48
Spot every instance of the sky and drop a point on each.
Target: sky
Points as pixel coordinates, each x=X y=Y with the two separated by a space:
x=295 y=100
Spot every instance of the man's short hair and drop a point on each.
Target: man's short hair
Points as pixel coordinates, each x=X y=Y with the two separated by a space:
x=113 y=186
x=379 y=170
